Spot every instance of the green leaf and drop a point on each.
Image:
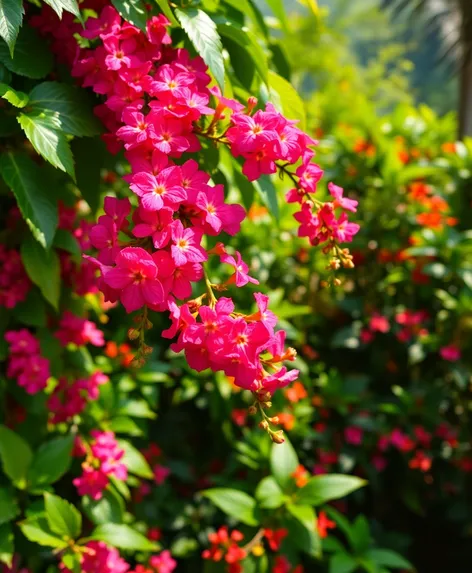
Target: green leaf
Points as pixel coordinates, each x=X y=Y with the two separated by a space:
x=63 y=518
x=67 y=242
x=17 y=99
x=166 y=10
x=68 y=5
x=268 y=193
x=16 y=456
x=26 y=180
x=43 y=268
x=32 y=311
x=245 y=188
x=8 y=505
x=32 y=57
x=72 y=561
x=11 y=16
x=389 y=558
x=108 y=509
x=37 y=530
x=360 y=538
x=233 y=502
x=283 y=462
x=202 y=32
x=135 y=461
x=89 y=155
x=6 y=544
x=249 y=8
x=268 y=493
x=51 y=461
x=285 y=97
x=342 y=563
x=41 y=130
x=67 y=107
x=323 y=488
x=246 y=40
x=132 y=11
x=302 y=529
x=123 y=537
x=277 y=7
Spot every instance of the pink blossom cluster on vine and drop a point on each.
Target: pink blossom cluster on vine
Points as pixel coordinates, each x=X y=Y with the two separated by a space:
x=159 y=104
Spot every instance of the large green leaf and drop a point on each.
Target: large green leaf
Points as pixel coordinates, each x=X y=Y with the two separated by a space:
x=323 y=488
x=246 y=40
x=8 y=505
x=89 y=155
x=268 y=493
x=278 y=8
x=108 y=509
x=249 y=8
x=41 y=130
x=15 y=98
x=11 y=16
x=32 y=57
x=283 y=462
x=285 y=97
x=68 y=5
x=6 y=544
x=27 y=183
x=51 y=461
x=69 y=108
x=234 y=502
x=63 y=518
x=388 y=558
x=133 y=11
x=123 y=537
x=37 y=530
x=135 y=461
x=342 y=563
x=301 y=525
x=43 y=269
x=202 y=32
x=16 y=456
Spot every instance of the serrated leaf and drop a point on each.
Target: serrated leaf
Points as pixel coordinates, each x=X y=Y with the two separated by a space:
x=32 y=194
x=233 y=502
x=48 y=141
x=323 y=488
x=17 y=99
x=202 y=32
x=132 y=11
x=63 y=518
x=167 y=11
x=11 y=16
x=8 y=505
x=6 y=544
x=37 y=530
x=285 y=97
x=32 y=57
x=43 y=268
x=68 y=5
x=16 y=456
x=283 y=462
x=123 y=537
x=51 y=461
x=66 y=107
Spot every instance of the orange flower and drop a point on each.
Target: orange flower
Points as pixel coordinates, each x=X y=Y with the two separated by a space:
x=300 y=475
x=296 y=392
x=286 y=420
x=323 y=523
x=449 y=147
x=257 y=212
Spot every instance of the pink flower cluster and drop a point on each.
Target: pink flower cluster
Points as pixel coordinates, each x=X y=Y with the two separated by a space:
x=14 y=282
x=79 y=331
x=70 y=398
x=25 y=363
x=161 y=563
x=103 y=461
x=158 y=105
x=100 y=558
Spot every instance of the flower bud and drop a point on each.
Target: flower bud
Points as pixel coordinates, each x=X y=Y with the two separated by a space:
x=251 y=104
x=133 y=333
x=277 y=437
x=337 y=282
x=264 y=425
x=252 y=410
x=274 y=420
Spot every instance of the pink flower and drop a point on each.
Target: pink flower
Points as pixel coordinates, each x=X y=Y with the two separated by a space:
x=218 y=215
x=353 y=435
x=79 y=331
x=161 y=473
x=155 y=224
x=92 y=482
x=339 y=200
x=379 y=323
x=135 y=276
x=100 y=558
x=241 y=270
x=451 y=353
x=157 y=190
x=163 y=563
x=186 y=245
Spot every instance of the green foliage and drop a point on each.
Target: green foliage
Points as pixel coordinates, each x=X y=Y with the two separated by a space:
x=43 y=269
x=11 y=16
x=16 y=456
